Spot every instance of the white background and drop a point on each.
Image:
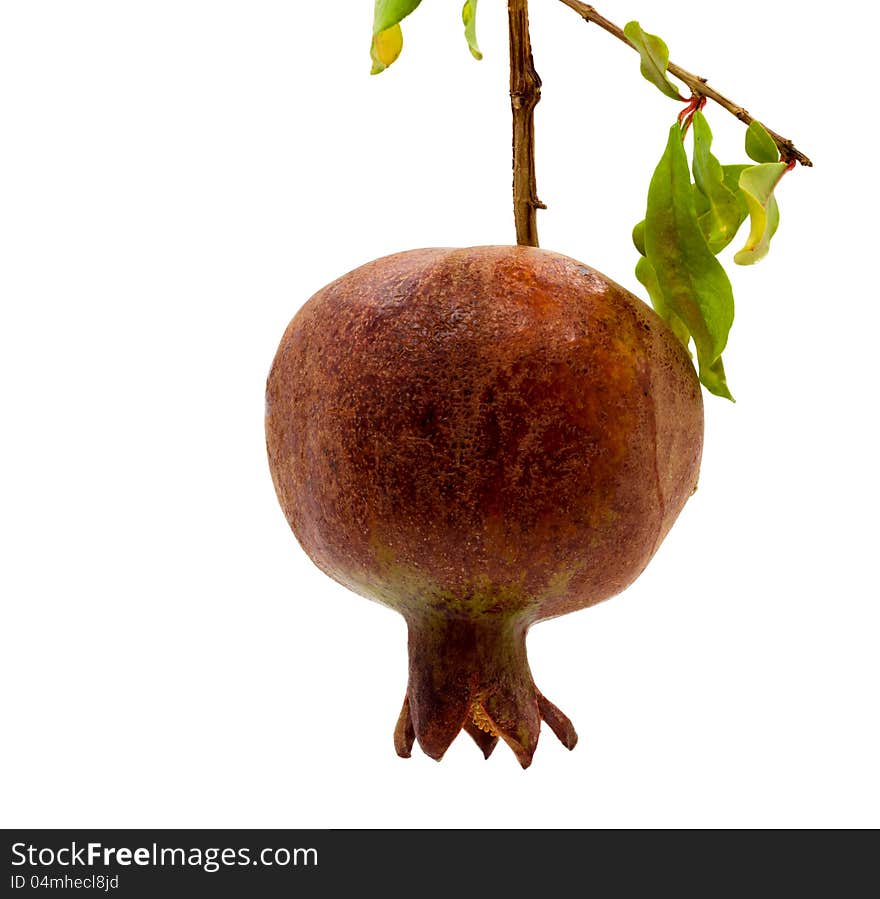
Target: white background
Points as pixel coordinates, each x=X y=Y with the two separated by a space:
x=177 y=178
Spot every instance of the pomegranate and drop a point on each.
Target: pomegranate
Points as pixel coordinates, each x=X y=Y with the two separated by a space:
x=480 y=439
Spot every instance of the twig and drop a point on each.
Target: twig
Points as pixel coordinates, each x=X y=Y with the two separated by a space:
x=698 y=86
x=525 y=92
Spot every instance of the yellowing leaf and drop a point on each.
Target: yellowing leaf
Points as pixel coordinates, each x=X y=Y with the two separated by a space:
x=387 y=35
x=655 y=58
x=386 y=48
x=469 y=17
x=757 y=184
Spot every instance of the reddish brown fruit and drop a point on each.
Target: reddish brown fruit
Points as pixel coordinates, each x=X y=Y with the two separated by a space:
x=481 y=438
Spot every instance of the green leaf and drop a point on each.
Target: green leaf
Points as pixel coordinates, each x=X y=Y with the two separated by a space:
x=387 y=35
x=693 y=284
x=392 y=12
x=701 y=204
x=715 y=381
x=759 y=145
x=655 y=58
x=757 y=184
x=731 y=182
x=719 y=211
x=469 y=17
x=638 y=236
x=648 y=277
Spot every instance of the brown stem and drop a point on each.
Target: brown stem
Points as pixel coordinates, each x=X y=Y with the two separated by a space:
x=697 y=85
x=525 y=92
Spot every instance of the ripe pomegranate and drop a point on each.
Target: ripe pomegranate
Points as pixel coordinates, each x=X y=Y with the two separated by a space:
x=480 y=439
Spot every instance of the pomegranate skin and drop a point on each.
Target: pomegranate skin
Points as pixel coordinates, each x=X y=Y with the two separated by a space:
x=480 y=438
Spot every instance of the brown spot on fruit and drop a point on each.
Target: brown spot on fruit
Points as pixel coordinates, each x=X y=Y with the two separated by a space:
x=480 y=438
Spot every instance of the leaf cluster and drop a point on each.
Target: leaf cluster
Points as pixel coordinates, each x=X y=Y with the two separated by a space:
x=689 y=222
